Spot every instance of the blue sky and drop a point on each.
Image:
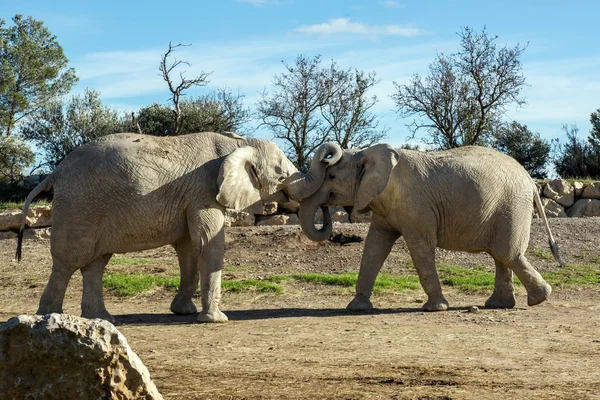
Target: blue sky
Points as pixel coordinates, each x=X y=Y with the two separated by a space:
x=115 y=46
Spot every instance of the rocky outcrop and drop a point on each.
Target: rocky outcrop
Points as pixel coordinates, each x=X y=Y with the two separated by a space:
x=279 y=219
x=58 y=356
x=37 y=217
x=238 y=218
x=561 y=191
x=553 y=209
x=560 y=197
x=591 y=191
x=585 y=208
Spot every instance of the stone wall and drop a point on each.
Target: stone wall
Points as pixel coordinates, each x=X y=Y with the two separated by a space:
x=564 y=199
x=561 y=199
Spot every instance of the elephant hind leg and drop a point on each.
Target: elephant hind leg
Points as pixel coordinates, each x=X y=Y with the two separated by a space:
x=503 y=295
x=92 y=300
x=54 y=293
x=537 y=288
x=423 y=256
x=189 y=273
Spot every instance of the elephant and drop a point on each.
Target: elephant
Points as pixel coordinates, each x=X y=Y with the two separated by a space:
x=470 y=199
x=130 y=192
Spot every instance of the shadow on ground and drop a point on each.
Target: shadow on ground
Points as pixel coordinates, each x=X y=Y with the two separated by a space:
x=257 y=314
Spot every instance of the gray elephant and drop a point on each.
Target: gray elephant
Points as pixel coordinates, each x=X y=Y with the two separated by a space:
x=468 y=199
x=129 y=192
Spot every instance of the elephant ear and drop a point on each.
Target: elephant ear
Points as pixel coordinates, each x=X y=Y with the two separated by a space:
x=238 y=181
x=375 y=165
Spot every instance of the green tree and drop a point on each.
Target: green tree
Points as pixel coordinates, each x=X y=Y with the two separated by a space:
x=594 y=138
x=220 y=110
x=15 y=156
x=577 y=158
x=61 y=127
x=33 y=70
x=464 y=95
x=525 y=146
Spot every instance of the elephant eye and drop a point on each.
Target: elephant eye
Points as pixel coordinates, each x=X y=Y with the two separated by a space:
x=331 y=176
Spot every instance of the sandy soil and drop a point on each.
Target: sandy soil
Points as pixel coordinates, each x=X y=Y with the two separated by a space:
x=302 y=344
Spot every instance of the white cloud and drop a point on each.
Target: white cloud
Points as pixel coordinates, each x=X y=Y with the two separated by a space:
x=392 y=4
x=344 y=25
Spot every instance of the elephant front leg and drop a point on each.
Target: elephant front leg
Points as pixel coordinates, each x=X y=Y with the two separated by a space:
x=188 y=267
x=423 y=256
x=210 y=242
x=378 y=245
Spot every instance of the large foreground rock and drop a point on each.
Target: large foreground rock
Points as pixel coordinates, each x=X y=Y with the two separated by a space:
x=59 y=356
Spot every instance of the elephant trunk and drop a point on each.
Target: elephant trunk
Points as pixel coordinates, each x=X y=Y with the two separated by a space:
x=307 y=212
x=301 y=185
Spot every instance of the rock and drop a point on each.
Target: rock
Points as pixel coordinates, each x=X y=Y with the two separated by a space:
x=8 y=235
x=58 y=356
x=560 y=191
x=37 y=233
x=591 y=191
x=281 y=219
x=10 y=220
x=39 y=217
x=268 y=209
x=361 y=217
x=540 y=188
x=578 y=188
x=293 y=219
x=473 y=309
x=340 y=216
x=238 y=218
x=585 y=208
x=36 y=217
x=291 y=207
x=553 y=209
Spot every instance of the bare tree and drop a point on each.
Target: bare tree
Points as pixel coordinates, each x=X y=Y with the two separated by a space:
x=464 y=95
x=309 y=105
x=166 y=69
x=349 y=113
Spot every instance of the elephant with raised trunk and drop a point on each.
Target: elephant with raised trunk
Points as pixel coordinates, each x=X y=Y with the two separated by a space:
x=129 y=192
x=467 y=199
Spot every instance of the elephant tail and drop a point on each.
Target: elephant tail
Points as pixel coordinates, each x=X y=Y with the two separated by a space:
x=43 y=186
x=542 y=213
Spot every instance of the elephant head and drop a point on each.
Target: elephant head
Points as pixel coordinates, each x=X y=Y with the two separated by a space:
x=253 y=174
x=353 y=178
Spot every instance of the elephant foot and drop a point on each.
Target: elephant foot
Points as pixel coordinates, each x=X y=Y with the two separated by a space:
x=214 y=316
x=538 y=294
x=436 y=305
x=360 y=303
x=98 y=314
x=498 y=301
x=48 y=310
x=183 y=307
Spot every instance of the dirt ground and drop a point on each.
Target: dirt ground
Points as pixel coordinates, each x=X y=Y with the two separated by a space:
x=302 y=344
